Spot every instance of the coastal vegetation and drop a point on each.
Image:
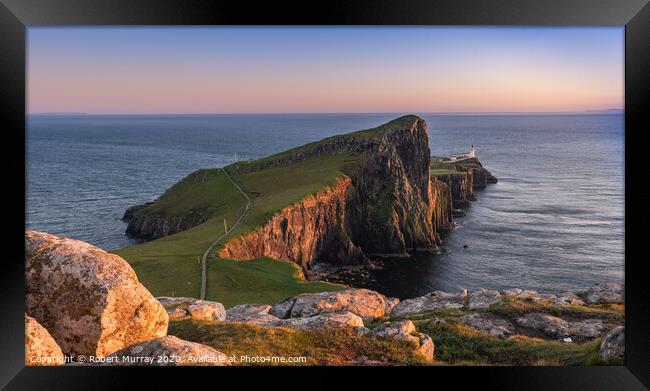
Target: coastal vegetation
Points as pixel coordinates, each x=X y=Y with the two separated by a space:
x=171 y=265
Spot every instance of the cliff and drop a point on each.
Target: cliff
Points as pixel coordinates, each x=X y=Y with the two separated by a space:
x=387 y=203
x=461 y=186
x=337 y=200
x=313 y=228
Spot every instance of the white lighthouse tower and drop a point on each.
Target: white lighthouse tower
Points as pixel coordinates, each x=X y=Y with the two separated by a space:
x=472 y=152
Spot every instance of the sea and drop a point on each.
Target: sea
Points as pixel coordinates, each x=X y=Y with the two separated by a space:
x=554 y=221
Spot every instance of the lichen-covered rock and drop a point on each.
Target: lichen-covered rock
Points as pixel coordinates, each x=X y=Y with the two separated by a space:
x=177 y=313
x=613 y=345
x=282 y=310
x=488 y=323
x=90 y=301
x=568 y=298
x=207 y=310
x=40 y=348
x=589 y=328
x=168 y=351
x=406 y=332
x=483 y=298
x=391 y=302
x=188 y=307
x=548 y=325
x=432 y=302
x=604 y=293
x=251 y=314
x=363 y=302
x=326 y=321
x=392 y=329
x=427 y=347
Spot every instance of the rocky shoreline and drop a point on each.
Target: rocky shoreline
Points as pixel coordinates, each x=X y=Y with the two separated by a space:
x=82 y=302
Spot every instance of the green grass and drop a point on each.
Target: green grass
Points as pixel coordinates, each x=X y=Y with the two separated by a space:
x=443 y=171
x=170 y=266
x=261 y=281
x=373 y=133
x=457 y=343
x=320 y=347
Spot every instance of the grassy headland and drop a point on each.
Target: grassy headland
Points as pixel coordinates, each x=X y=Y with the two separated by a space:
x=170 y=266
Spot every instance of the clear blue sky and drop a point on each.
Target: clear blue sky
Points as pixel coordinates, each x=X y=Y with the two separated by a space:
x=324 y=69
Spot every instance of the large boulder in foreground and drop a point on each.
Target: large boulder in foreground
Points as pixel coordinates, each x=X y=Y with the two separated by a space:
x=168 y=351
x=40 y=348
x=613 y=345
x=362 y=302
x=90 y=301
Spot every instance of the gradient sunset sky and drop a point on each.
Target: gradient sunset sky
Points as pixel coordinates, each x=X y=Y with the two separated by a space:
x=133 y=70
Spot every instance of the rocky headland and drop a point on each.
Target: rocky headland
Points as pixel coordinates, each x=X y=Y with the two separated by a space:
x=83 y=302
x=389 y=202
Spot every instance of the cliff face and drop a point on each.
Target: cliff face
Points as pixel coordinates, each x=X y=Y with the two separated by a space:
x=154 y=226
x=388 y=205
x=461 y=186
x=481 y=177
x=391 y=202
x=443 y=202
x=313 y=228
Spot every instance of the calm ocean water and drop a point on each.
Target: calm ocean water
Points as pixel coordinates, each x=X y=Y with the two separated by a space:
x=554 y=221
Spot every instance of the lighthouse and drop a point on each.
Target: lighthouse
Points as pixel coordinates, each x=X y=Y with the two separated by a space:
x=472 y=152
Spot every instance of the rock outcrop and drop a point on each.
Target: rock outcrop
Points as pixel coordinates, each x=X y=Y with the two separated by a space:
x=251 y=314
x=362 y=302
x=167 y=351
x=613 y=345
x=484 y=298
x=187 y=307
x=555 y=327
x=405 y=331
x=40 y=348
x=432 y=302
x=488 y=323
x=90 y=301
x=605 y=293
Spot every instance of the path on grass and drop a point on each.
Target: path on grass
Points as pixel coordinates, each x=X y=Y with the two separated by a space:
x=204 y=261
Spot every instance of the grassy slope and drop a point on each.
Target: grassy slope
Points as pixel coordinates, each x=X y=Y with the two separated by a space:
x=266 y=281
x=171 y=265
x=319 y=347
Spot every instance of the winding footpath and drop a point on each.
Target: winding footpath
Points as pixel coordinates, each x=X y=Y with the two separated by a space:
x=204 y=261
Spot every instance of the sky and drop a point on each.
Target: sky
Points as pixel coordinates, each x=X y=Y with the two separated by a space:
x=170 y=70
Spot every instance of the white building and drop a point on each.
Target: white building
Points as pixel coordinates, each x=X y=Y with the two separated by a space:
x=463 y=155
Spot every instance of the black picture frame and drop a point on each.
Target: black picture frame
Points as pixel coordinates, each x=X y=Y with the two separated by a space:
x=17 y=15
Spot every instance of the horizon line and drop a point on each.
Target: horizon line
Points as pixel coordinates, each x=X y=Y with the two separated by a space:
x=591 y=111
